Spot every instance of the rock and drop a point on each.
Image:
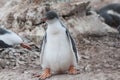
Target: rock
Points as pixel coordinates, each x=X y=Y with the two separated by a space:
x=2 y=63
x=87 y=68
x=71 y=8
x=11 y=58
x=91 y=25
x=85 y=57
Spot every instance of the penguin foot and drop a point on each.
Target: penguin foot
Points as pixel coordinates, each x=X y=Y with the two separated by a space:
x=25 y=46
x=46 y=73
x=72 y=70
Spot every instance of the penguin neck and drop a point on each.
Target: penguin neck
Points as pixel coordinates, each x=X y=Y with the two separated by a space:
x=54 y=26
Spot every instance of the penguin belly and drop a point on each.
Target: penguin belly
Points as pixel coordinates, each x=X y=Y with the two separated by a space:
x=11 y=38
x=58 y=55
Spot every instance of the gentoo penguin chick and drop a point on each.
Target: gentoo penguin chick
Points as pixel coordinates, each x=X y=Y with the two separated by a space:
x=9 y=39
x=58 y=51
x=111 y=14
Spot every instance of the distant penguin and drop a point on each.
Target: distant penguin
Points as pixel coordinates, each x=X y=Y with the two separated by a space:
x=111 y=14
x=58 y=51
x=9 y=39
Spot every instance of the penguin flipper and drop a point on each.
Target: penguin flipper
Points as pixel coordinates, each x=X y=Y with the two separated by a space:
x=4 y=45
x=42 y=47
x=3 y=31
x=72 y=44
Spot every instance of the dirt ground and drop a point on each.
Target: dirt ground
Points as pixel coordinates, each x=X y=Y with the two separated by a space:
x=27 y=75
x=100 y=60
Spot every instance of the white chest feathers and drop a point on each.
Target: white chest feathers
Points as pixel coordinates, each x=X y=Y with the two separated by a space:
x=11 y=38
x=58 y=55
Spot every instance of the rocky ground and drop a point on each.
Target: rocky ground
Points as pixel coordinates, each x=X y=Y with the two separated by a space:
x=100 y=60
x=100 y=54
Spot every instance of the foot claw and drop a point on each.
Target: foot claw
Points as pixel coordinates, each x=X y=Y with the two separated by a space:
x=72 y=70
x=45 y=74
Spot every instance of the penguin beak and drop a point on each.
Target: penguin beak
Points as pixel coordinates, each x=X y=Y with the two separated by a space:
x=25 y=46
x=43 y=19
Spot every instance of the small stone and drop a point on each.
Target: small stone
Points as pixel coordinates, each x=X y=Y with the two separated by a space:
x=87 y=68
x=85 y=57
x=106 y=65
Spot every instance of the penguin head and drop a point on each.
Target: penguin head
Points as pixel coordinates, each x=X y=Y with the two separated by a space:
x=50 y=16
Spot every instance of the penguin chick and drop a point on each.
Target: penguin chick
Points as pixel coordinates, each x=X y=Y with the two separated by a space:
x=58 y=51
x=9 y=39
